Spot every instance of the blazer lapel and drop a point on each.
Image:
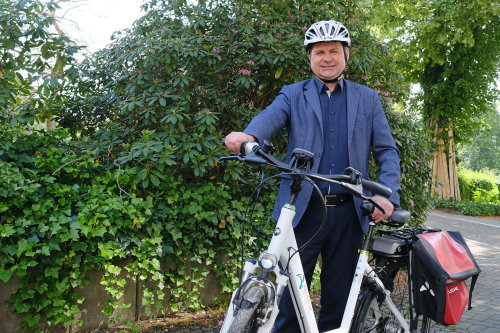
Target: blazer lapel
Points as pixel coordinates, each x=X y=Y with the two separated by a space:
x=311 y=95
x=352 y=110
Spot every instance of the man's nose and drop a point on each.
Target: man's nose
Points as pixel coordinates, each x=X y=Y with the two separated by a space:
x=328 y=57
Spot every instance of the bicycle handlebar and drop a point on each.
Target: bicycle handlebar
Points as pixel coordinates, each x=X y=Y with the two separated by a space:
x=299 y=169
x=376 y=188
x=252 y=153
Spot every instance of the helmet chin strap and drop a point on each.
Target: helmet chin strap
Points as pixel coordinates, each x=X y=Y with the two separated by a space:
x=333 y=80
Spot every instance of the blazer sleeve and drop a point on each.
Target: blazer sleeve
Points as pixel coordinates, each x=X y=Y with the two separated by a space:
x=272 y=119
x=385 y=152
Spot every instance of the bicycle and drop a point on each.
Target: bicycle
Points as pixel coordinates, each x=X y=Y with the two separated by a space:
x=375 y=291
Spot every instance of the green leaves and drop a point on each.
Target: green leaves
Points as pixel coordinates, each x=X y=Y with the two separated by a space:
x=52 y=272
x=416 y=149
x=451 y=50
x=5 y=274
x=67 y=215
x=278 y=72
x=33 y=62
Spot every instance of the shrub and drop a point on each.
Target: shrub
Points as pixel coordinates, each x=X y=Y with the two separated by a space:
x=478 y=209
x=416 y=149
x=64 y=213
x=468 y=207
x=479 y=187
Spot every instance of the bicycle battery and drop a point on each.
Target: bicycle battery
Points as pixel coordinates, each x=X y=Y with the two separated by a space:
x=390 y=246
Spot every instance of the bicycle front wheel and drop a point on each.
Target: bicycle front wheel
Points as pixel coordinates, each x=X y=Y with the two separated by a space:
x=373 y=315
x=245 y=319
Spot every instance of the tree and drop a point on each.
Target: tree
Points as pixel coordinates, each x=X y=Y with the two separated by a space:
x=34 y=62
x=450 y=48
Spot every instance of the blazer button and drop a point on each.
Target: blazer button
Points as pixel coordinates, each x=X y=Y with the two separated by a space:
x=317 y=155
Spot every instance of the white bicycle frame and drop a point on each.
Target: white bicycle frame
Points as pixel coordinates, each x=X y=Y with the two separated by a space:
x=283 y=245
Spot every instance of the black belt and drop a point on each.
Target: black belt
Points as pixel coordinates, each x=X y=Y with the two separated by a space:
x=335 y=200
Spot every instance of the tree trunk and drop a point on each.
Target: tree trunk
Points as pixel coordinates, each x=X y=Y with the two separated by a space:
x=452 y=168
x=444 y=166
x=50 y=123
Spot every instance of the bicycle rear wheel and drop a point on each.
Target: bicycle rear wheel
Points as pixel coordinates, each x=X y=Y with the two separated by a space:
x=373 y=315
x=245 y=319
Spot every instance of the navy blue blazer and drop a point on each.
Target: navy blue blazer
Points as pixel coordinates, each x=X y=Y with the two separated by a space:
x=297 y=107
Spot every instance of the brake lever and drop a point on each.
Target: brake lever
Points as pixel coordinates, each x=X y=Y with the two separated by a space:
x=369 y=199
x=251 y=158
x=358 y=190
x=230 y=158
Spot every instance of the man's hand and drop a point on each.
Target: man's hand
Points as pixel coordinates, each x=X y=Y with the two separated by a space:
x=234 y=140
x=386 y=205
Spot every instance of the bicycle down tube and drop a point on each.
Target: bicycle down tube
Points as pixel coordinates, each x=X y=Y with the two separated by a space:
x=282 y=246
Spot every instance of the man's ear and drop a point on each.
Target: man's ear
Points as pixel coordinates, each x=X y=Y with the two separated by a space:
x=309 y=56
x=346 y=50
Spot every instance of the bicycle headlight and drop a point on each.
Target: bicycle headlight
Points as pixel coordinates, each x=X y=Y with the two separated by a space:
x=267 y=261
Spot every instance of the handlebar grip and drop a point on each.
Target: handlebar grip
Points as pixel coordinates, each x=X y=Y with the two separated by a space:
x=376 y=188
x=247 y=147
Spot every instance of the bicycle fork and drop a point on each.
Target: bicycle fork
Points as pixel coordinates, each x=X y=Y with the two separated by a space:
x=283 y=239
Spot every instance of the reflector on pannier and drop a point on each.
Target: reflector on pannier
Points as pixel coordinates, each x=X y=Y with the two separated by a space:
x=442 y=262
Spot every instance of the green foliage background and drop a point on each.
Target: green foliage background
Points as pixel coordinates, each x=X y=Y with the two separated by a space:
x=35 y=63
x=450 y=49
x=133 y=173
x=483 y=149
x=480 y=194
x=479 y=187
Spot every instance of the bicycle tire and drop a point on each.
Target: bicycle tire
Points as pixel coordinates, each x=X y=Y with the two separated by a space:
x=245 y=319
x=372 y=315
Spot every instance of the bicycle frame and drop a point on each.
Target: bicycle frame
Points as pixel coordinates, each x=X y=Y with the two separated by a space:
x=283 y=248
x=282 y=242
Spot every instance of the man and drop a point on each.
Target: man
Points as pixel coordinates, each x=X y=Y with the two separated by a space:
x=339 y=121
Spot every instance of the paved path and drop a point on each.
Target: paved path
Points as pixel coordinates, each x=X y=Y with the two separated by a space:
x=483 y=237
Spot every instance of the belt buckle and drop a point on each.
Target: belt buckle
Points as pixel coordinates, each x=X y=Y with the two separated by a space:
x=332 y=197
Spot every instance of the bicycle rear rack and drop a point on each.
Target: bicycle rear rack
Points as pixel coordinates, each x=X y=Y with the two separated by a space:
x=396 y=242
x=407 y=233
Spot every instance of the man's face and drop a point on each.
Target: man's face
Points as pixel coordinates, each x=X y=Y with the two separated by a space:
x=327 y=59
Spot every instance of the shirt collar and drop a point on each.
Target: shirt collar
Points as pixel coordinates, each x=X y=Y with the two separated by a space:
x=320 y=85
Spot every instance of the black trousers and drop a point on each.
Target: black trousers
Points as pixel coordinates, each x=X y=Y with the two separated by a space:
x=338 y=244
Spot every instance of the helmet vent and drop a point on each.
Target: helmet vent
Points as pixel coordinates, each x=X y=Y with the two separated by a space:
x=327 y=31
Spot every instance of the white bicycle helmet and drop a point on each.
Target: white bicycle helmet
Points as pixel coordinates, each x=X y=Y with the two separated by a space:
x=326 y=31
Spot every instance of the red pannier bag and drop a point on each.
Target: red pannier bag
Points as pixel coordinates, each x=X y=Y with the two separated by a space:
x=441 y=263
